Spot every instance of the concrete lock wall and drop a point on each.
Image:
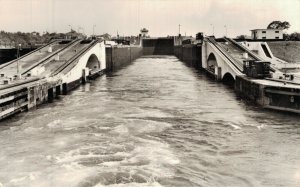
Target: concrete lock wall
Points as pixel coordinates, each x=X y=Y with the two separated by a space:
x=158 y=46
x=269 y=96
x=191 y=54
x=117 y=57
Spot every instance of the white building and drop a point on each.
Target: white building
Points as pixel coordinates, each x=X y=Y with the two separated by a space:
x=267 y=34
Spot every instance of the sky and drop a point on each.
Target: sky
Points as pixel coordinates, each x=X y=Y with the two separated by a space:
x=160 y=17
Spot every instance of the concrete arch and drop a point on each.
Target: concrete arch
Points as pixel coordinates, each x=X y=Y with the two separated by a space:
x=228 y=78
x=211 y=55
x=93 y=62
x=211 y=62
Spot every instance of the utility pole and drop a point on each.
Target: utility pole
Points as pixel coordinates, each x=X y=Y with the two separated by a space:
x=179 y=29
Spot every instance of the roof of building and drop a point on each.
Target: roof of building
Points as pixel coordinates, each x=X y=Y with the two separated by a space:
x=264 y=29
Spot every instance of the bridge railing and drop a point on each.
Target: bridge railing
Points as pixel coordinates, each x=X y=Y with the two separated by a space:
x=253 y=55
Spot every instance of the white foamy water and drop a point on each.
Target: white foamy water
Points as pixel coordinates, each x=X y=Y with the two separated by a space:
x=155 y=123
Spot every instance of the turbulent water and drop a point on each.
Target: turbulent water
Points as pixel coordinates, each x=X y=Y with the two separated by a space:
x=156 y=122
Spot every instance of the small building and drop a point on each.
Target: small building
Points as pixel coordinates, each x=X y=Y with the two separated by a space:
x=267 y=34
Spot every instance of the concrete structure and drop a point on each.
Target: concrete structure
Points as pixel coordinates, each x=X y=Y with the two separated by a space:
x=284 y=56
x=190 y=54
x=92 y=60
x=271 y=93
x=144 y=33
x=267 y=34
x=224 y=60
x=62 y=65
x=182 y=40
x=120 y=56
x=49 y=71
x=55 y=69
x=263 y=50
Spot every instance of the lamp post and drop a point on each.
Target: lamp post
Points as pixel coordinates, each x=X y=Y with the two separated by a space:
x=179 y=29
x=213 y=29
x=18 y=63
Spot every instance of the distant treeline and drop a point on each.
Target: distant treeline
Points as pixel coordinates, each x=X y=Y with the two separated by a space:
x=292 y=37
x=31 y=39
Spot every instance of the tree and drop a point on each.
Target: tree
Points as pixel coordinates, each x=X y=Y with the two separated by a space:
x=279 y=25
x=242 y=37
x=294 y=36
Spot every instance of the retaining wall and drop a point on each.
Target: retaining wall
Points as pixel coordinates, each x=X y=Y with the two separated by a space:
x=190 y=54
x=117 y=57
x=280 y=97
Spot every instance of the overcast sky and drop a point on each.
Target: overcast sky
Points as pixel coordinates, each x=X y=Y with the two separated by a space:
x=161 y=17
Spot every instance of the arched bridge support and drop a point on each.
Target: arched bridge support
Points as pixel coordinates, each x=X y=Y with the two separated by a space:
x=93 y=61
x=216 y=64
